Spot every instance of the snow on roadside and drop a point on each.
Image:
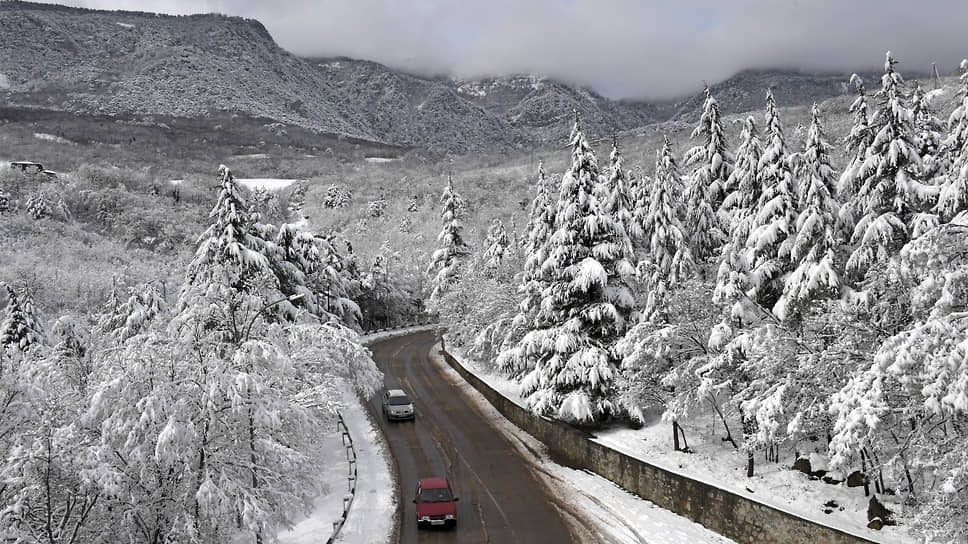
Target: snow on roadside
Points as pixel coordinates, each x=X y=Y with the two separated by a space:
x=378 y=160
x=383 y=335
x=318 y=526
x=616 y=514
x=713 y=462
x=370 y=520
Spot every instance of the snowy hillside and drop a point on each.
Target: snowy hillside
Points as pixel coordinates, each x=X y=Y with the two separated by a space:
x=101 y=62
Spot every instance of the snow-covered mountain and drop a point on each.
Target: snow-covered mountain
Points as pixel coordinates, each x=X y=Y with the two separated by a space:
x=104 y=62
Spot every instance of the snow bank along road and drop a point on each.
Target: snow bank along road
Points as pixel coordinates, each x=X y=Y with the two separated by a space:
x=500 y=498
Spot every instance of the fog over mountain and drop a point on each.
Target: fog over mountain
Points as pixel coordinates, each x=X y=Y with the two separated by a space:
x=622 y=49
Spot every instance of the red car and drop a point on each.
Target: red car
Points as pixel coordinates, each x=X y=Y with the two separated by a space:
x=435 y=503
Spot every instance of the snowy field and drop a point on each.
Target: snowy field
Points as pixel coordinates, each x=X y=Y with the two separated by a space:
x=717 y=463
x=269 y=184
x=52 y=138
x=379 y=160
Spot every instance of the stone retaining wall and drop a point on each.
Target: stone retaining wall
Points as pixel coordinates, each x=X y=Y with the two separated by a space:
x=719 y=510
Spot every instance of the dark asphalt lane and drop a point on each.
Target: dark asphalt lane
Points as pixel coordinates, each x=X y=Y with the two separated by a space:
x=501 y=500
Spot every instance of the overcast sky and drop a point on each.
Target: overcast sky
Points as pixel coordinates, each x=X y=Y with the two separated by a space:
x=622 y=48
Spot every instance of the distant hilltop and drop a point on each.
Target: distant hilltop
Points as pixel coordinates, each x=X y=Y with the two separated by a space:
x=117 y=62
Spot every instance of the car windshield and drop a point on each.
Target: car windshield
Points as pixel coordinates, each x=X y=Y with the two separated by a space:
x=399 y=400
x=435 y=495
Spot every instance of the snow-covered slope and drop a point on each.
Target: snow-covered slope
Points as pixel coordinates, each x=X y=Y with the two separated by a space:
x=116 y=62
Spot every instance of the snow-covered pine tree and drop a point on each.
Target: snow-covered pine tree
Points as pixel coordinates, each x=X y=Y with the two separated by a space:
x=541 y=223
x=20 y=330
x=332 y=287
x=744 y=185
x=813 y=254
x=888 y=182
x=928 y=129
x=496 y=245
x=669 y=259
x=228 y=246
x=711 y=164
x=954 y=192
x=445 y=262
x=297 y=199
x=738 y=211
x=923 y=190
x=294 y=258
x=130 y=318
x=617 y=197
x=585 y=305
x=772 y=228
x=856 y=145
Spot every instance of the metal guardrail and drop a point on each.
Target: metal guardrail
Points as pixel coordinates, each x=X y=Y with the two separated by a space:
x=341 y=428
x=350 y=478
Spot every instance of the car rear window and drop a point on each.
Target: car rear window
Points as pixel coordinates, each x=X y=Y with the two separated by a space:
x=435 y=495
x=399 y=400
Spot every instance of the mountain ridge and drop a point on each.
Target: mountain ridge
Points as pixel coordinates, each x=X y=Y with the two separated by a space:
x=136 y=63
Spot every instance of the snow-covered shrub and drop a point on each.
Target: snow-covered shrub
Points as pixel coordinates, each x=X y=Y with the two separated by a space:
x=337 y=196
x=38 y=205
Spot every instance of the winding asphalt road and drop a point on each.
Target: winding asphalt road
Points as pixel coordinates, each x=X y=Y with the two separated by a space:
x=501 y=500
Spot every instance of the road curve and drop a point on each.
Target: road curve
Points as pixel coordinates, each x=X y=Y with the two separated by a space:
x=501 y=500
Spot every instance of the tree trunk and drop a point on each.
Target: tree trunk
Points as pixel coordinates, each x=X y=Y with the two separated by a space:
x=675 y=436
x=729 y=435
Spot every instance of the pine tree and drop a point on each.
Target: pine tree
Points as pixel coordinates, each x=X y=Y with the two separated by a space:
x=586 y=304
x=669 y=258
x=617 y=197
x=446 y=261
x=934 y=160
x=888 y=178
x=953 y=198
x=496 y=245
x=229 y=251
x=745 y=185
x=541 y=223
x=771 y=235
x=20 y=330
x=924 y=189
x=130 y=318
x=856 y=143
x=294 y=257
x=331 y=283
x=813 y=253
x=705 y=185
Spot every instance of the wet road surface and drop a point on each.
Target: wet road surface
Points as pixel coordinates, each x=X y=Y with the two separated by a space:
x=501 y=500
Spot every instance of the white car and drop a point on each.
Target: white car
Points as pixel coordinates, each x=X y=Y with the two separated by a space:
x=397 y=405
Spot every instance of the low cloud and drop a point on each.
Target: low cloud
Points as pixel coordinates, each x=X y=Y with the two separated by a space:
x=622 y=48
